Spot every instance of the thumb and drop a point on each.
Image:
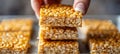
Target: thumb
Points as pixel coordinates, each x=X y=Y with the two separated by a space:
x=81 y=5
x=36 y=6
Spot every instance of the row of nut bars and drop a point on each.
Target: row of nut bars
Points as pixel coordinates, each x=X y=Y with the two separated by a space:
x=58 y=33
x=15 y=36
x=102 y=36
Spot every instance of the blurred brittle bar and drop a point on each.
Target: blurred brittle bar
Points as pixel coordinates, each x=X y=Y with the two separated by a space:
x=97 y=28
x=108 y=45
x=58 y=47
x=14 y=42
x=60 y=15
x=16 y=25
x=58 y=33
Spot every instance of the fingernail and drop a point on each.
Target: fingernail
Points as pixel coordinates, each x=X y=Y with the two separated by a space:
x=80 y=7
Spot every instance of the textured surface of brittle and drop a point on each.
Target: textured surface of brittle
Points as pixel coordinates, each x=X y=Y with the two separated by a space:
x=96 y=27
x=92 y=28
x=5 y=51
x=16 y=25
x=107 y=45
x=14 y=41
x=95 y=24
x=60 y=15
x=58 y=33
x=58 y=47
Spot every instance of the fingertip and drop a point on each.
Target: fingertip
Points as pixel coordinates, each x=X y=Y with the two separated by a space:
x=80 y=7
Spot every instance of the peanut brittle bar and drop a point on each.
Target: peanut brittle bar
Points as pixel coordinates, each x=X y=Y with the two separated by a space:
x=98 y=25
x=58 y=47
x=58 y=33
x=60 y=15
x=16 y=25
x=97 y=28
x=14 y=42
x=108 y=45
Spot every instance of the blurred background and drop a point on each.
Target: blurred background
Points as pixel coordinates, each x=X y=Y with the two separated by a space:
x=23 y=7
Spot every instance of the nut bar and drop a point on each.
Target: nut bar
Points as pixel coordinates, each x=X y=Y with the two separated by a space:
x=97 y=28
x=58 y=33
x=58 y=47
x=98 y=25
x=60 y=15
x=16 y=25
x=14 y=42
x=108 y=45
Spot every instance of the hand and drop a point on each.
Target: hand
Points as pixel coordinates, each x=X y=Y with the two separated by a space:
x=81 y=5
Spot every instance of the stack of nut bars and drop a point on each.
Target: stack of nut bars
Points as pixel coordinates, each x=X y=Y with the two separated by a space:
x=15 y=36
x=102 y=35
x=58 y=33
